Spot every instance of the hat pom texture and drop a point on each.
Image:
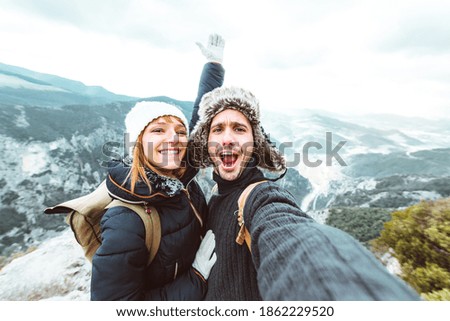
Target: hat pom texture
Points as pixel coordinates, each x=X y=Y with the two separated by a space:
x=241 y=100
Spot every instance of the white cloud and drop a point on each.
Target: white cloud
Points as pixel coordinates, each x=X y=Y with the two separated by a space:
x=346 y=56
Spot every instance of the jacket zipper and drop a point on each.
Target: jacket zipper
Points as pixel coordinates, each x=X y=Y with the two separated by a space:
x=176 y=271
x=199 y=218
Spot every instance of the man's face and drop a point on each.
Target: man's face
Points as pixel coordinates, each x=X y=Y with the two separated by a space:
x=230 y=143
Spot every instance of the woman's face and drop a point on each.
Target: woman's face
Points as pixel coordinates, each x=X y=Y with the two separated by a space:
x=164 y=142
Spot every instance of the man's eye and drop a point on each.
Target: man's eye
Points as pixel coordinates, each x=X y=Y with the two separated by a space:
x=216 y=130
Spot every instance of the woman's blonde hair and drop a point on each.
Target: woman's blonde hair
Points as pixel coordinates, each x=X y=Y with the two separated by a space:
x=141 y=163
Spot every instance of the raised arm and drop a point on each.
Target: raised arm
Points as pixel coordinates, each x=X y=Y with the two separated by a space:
x=213 y=72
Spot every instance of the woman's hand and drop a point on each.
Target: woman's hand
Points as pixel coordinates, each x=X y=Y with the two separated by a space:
x=214 y=48
x=205 y=257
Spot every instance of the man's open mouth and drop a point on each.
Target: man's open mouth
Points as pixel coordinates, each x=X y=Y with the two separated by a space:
x=228 y=158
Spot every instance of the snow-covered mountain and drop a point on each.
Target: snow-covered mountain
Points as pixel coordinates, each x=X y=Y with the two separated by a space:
x=382 y=161
x=52 y=152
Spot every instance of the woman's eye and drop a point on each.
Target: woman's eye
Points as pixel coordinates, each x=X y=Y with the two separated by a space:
x=157 y=130
x=182 y=133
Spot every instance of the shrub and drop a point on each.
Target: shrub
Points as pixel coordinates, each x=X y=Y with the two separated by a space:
x=420 y=239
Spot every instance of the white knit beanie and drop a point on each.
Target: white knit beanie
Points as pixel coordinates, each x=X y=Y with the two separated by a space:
x=145 y=112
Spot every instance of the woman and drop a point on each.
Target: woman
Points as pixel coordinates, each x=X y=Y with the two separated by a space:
x=157 y=175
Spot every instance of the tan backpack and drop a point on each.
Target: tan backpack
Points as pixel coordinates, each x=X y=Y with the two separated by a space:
x=85 y=213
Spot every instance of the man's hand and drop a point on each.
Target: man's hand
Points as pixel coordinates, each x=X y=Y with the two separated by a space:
x=214 y=48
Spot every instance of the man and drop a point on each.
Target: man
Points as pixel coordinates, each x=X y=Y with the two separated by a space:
x=292 y=257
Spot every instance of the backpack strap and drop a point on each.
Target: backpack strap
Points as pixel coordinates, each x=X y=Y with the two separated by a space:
x=150 y=217
x=244 y=234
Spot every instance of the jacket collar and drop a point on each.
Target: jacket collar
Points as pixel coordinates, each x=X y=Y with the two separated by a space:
x=162 y=187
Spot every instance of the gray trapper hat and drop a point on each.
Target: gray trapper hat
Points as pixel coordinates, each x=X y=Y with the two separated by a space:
x=222 y=98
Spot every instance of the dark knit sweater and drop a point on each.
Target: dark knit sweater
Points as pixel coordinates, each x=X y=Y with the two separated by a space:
x=293 y=257
x=233 y=277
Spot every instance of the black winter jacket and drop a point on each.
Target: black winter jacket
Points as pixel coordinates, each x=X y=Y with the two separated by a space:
x=119 y=267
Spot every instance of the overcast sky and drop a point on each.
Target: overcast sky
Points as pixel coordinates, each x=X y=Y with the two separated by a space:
x=388 y=56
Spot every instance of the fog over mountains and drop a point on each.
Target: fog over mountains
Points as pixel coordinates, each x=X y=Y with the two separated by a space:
x=58 y=135
x=22 y=86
